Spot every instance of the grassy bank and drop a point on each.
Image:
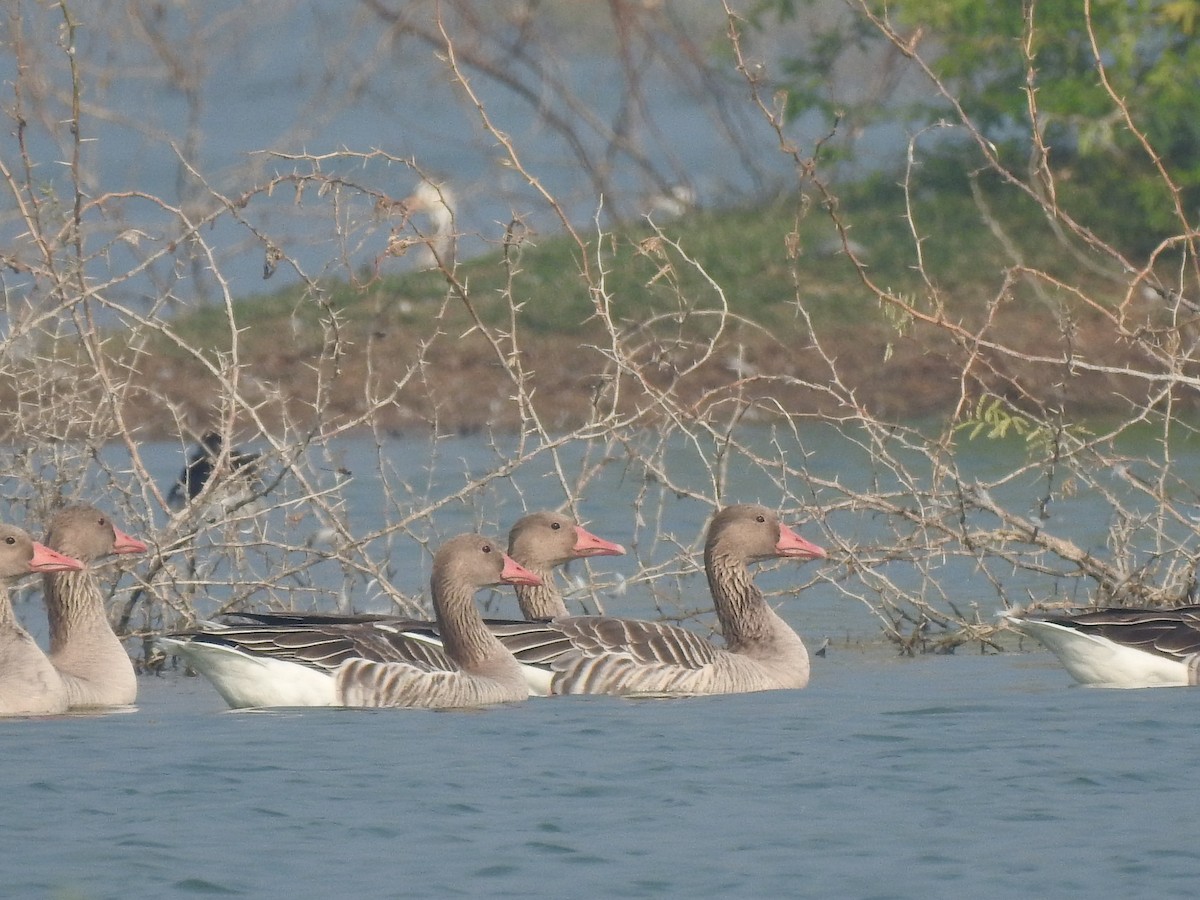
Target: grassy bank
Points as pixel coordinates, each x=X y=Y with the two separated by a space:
x=768 y=284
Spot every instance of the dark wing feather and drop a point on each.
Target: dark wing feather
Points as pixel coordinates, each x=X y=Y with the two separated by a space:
x=631 y=656
x=1173 y=633
x=308 y=618
x=643 y=642
x=533 y=643
x=328 y=646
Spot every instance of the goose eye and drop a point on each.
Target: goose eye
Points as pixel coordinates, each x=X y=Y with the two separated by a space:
x=10 y=540
x=487 y=548
x=760 y=518
x=555 y=526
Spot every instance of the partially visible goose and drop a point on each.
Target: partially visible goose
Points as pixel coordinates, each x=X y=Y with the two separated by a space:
x=29 y=684
x=305 y=665
x=543 y=541
x=540 y=541
x=606 y=655
x=83 y=647
x=1121 y=647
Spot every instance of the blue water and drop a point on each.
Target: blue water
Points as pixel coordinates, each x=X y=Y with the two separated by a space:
x=315 y=79
x=961 y=776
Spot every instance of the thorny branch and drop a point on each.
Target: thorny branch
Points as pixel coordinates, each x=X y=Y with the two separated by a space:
x=676 y=412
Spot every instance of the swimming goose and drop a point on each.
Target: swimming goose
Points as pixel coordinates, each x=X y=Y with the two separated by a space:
x=539 y=541
x=29 y=684
x=606 y=655
x=543 y=541
x=1121 y=647
x=306 y=665
x=83 y=647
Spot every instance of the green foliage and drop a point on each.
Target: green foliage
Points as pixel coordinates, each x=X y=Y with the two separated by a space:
x=993 y=416
x=768 y=261
x=978 y=51
x=1149 y=56
x=995 y=419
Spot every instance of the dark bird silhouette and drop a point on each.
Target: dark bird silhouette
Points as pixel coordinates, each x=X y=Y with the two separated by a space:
x=203 y=459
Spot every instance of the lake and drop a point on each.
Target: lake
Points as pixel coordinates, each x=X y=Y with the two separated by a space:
x=987 y=776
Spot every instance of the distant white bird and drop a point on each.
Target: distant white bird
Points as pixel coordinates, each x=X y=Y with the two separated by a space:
x=438 y=203
x=675 y=201
x=739 y=365
x=835 y=246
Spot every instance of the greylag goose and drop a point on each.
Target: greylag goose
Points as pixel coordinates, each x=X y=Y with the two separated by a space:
x=83 y=647
x=543 y=541
x=606 y=655
x=306 y=665
x=1120 y=647
x=29 y=684
x=539 y=541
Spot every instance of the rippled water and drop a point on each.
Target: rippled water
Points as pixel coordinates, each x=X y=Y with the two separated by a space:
x=963 y=776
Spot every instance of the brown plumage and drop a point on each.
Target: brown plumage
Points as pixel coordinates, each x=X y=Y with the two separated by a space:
x=29 y=684
x=361 y=663
x=539 y=541
x=606 y=655
x=543 y=541
x=83 y=647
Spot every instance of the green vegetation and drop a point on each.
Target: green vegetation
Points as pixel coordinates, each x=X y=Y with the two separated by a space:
x=1028 y=78
x=766 y=260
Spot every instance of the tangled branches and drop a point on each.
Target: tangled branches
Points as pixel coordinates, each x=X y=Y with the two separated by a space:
x=389 y=411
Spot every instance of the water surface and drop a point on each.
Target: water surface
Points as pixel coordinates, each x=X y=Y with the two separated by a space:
x=969 y=775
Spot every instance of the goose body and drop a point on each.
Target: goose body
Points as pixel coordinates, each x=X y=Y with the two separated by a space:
x=84 y=649
x=640 y=658
x=567 y=654
x=29 y=683
x=606 y=655
x=365 y=663
x=539 y=541
x=1121 y=647
x=282 y=659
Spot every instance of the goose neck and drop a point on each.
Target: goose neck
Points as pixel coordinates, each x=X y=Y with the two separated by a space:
x=73 y=604
x=741 y=609
x=465 y=636
x=8 y=618
x=542 y=601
